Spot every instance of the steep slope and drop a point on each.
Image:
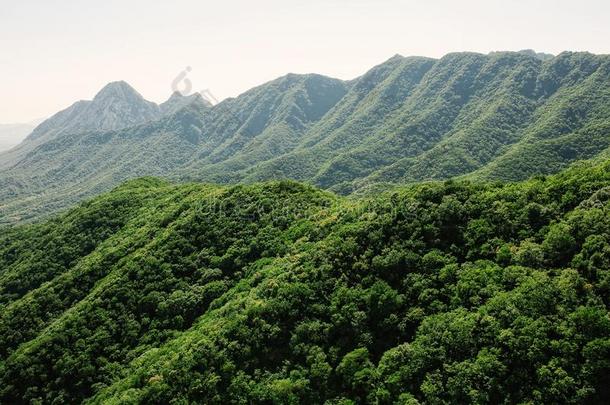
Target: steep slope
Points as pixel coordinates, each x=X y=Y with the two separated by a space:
x=69 y=168
x=573 y=125
x=265 y=123
x=457 y=115
x=449 y=292
x=370 y=100
x=191 y=133
x=116 y=106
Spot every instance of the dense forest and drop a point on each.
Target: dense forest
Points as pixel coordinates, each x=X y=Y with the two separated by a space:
x=501 y=116
x=279 y=292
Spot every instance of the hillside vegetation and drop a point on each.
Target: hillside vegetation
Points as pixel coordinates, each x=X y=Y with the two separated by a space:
x=502 y=116
x=278 y=292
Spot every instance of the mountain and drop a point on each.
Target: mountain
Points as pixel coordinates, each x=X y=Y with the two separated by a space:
x=116 y=106
x=50 y=166
x=502 y=116
x=263 y=123
x=12 y=134
x=75 y=164
x=454 y=292
x=458 y=116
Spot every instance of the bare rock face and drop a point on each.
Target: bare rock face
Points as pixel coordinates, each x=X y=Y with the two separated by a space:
x=116 y=106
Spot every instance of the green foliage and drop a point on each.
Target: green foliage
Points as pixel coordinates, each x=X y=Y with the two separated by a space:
x=452 y=292
x=502 y=116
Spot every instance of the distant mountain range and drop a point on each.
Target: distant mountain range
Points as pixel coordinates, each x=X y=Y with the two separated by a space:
x=506 y=115
x=12 y=134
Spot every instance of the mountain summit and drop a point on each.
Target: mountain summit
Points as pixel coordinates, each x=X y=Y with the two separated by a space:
x=117 y=105
x=119 y=90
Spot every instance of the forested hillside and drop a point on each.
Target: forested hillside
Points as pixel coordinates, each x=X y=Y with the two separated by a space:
x=506 y=115
x=278 y=292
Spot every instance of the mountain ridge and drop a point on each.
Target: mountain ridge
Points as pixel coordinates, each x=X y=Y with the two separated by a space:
x=505 y=115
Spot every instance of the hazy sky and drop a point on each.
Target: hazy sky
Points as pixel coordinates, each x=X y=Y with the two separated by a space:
x=54 y=52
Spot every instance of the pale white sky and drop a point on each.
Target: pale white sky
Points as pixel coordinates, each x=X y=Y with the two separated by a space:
x=55 y=52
